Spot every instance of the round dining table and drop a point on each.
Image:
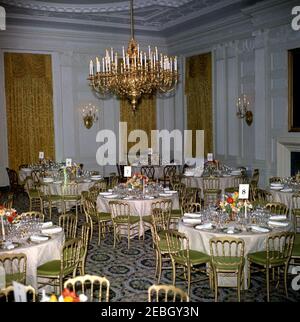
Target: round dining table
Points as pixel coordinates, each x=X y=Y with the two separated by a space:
x=254 y=242
x=38 y=253
x=138 y=207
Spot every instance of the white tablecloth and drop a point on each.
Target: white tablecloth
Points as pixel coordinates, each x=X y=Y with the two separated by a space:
x=38 y=254
x=199 y=240
x=197 y=182
x=137 y=207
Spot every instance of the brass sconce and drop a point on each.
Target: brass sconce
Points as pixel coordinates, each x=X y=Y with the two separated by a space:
x=243 y=109
x=89 y=115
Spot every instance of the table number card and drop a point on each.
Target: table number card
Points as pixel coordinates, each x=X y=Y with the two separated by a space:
x=244 y=191
x=68 y=162
x=127 y=171
x=19 y=292
x=210 y=157
x=41 y=155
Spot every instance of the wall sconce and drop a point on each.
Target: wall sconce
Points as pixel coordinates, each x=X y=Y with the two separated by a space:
x=242 y=109
x=89 y=115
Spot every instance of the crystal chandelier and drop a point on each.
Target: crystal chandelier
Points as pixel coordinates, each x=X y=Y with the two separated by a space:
x=135 y=73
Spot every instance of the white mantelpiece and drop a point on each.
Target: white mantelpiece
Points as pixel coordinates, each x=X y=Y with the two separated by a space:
x=284 y=148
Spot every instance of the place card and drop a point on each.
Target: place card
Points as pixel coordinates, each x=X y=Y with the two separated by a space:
x=210 y=157
x=68 y=162
x=244 y=191
x=19 y=292
x=127 y=171
x=41 y=155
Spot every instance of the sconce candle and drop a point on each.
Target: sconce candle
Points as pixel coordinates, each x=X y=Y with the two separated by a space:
x=89 y=115
x=243 y=109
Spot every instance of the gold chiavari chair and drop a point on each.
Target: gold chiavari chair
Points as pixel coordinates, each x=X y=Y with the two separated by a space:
x=149 y=171
x=227 y=257
x=68 y=222
x=8 y=293
x=295 y=259
x=236 y=181
x=92 y=215
x=33 y=192
x=57 y=270
x=183 y=257
x=70 y=194
x=123 y=222
x=49 y=200
x=193 y=193
x=212 y=197
x=277 y=208
x=100 y=185
x=33 y=215
x=113 y=180
x=166 y=293
x=8 y=203
x=261 y=197
x=96 y=288
x=276 y=255
x=168 y=173
x=15 y=266
x=275 y=180
x=85 y=237
x=191 y=207
x=160 y=224
x=211 y=183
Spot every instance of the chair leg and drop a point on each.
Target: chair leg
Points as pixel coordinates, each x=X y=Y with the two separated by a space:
x=99 y=234
x=239 y=286
x=115 y=236
x=30 y=204
x=174 y=272
x=189 y=279
x=268 y=283
x=249 y=274
x=159 y=267
x=128 y=237
x=285 y=279
x=216 y=285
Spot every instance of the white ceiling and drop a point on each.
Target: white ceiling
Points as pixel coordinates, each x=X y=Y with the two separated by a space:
x=151 y=17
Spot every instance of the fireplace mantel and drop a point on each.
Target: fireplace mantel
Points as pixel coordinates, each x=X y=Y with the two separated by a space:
x=284 y=148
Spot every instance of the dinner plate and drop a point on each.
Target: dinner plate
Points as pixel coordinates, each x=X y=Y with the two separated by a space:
x=276 y=188
x=192 y=215
x=111 y=196
x=165 y=195
x=191 y=221
x=208 y=226
x=259 y=229
x=105 y=193
x=38 y=238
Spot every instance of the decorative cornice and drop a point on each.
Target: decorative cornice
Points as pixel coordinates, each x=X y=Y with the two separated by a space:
x=92 y=8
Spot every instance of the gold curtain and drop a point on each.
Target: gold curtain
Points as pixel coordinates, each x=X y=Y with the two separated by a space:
x=143 y=119
x=29 y=107
x=198 y=89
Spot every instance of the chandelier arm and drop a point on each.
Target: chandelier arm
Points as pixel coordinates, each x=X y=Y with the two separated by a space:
x=131 y=19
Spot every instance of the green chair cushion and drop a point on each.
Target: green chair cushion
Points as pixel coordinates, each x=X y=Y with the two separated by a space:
x=227 y=263
x=147 y=219
x=104 y=216
x=260 y=258
x=33 y=193
x=196 y=257
x=51 y=268
x=71 y=197
x=296 y=250
x=53 y=197
x=124 y=220
x=297 y=239
x=18 y=277
x=176 y=213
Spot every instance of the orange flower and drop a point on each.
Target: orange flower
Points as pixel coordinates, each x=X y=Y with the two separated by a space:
x=229 y=200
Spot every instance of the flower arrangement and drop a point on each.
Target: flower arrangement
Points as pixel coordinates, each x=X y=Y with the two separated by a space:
x=66 y=296
x=232 y=204
x=137 y=181
x=9 y=214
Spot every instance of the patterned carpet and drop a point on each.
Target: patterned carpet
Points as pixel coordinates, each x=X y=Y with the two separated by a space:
x=131 y=271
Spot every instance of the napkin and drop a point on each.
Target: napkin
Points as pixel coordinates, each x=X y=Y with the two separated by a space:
x=8 y=245
x=230 y=230
x=191 y=220
x=192 y=215
x=52 y=230
x=204 y=226
x=149 y=197
x=278 y=223
x=47 y=224
x=259 y=229
x=105 y=193
x=111 y=196
x=278 y=217
x=38 y=238
x=165 y=194
x=287 y=190
x=171 y=191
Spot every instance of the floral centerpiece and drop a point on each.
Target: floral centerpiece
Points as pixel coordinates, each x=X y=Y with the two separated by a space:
x=6 y=215
x=137 y=181
x=233 y=205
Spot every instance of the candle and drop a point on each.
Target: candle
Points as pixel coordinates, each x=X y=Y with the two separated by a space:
x=98 y=65
x=123 y=55
x=91 y=68
x=3 y=230
x=245 y=203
